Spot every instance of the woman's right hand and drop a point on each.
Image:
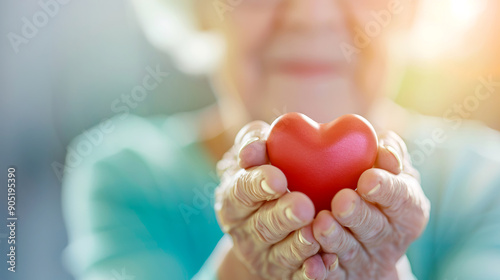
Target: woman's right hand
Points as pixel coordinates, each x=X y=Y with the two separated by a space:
x=270 y=227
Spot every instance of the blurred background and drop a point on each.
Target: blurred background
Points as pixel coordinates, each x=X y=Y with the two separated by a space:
x=65 y=78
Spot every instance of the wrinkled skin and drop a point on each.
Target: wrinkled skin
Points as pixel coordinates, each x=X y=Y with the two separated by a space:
x=276 y=236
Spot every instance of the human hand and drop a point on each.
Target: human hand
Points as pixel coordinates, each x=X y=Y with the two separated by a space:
x=270 y=227
x=371 y=228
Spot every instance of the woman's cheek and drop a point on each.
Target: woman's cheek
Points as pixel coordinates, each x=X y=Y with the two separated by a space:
x=249 y=42
x=252 y=28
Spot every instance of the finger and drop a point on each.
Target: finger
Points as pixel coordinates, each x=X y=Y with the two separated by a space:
x=294 y=250
x=333 y=238
x=236 y=201
x=399 y=197
x=391 y=152
x=390 y=138
x=313 y=268
x=333 y=269
x=250 y=144
x=393 y=155
x=255 y=129
x=250 y=133
x=276 y=219
x=386 y=189
x=367 y=224
x=388 y=158
x=253 y=153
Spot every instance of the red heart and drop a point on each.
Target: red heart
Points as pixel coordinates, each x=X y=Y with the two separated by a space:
x=321 y=159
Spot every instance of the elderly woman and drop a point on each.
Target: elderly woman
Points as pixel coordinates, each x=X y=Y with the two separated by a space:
x=141 y=205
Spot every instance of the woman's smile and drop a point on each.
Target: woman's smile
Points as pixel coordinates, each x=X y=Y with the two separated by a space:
x=306 y=69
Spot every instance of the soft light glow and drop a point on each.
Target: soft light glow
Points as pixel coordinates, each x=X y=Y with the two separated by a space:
x=466 y=11
x=441 y=27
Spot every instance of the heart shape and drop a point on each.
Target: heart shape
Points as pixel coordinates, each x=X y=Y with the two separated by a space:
x=321 y=159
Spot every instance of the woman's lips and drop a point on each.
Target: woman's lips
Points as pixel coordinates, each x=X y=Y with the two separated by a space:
x=306 y=69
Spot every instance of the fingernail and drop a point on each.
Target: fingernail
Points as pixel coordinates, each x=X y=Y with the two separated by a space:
x=266 y=188
x=248 y=142
x=307 y=277
x=348 y=211
x=303 y=240
x=289 y=214
x=396 y=155
x=329 y=231
x=334 y=265
x=374 y=190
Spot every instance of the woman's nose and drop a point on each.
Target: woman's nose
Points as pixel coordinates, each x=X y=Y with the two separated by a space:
x=311 y=14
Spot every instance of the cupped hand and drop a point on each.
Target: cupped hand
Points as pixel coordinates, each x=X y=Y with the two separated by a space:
x=270 y=227
x=371 y=228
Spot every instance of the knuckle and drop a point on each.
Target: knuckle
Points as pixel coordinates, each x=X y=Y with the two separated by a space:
x=300 y=252
x=406 y=196
x=293 y=255
x=263 y=232
x=345 y=243
x=351 y=254
x=239 y=192
x=304 y=252
x=402 y=205
x=329 y=245
x=396 y=191
x=376 y=233
x=334 y=243
x=268 y=226
x=245 y=191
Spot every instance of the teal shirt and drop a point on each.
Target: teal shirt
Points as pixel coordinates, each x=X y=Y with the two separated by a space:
x=461 y=177
x=140 y=204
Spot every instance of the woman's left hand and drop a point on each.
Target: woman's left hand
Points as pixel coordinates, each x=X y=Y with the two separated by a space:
x=371 y=228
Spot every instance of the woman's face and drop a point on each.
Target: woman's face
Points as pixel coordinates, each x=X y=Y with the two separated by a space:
x=323 y=58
